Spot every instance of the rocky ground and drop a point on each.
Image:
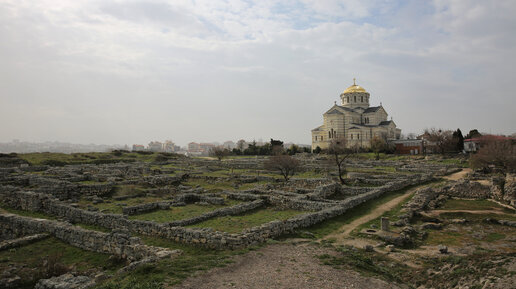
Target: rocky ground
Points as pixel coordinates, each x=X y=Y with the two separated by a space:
x=283 y=266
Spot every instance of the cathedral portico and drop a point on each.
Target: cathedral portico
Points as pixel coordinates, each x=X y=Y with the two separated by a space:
x=354 y=120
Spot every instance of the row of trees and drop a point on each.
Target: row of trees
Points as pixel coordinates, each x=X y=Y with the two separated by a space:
x=287 y=165
x=274 y=147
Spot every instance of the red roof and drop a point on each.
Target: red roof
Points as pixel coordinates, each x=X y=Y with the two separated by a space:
x=485 y=137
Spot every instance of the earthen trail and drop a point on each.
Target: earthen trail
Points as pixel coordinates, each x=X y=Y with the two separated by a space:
x=345 y=230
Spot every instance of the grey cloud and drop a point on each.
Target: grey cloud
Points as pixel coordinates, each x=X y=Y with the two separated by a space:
x=110 y=75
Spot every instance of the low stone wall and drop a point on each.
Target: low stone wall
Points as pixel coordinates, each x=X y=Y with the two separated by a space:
x=148 y=207
x=241 y=196
x=283 y=202
x=18 y=242
x=325 y=191
x=503 y=189
x=205 y=237
x=229 y=211
x=420 y=201
x=113 y=243
x=467 y=189
x=163 y=180
x=180 y=200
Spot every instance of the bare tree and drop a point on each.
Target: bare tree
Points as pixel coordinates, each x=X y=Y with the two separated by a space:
x=340 y=153
x=443 y=139
x=240 y=145
x=495 y=151
x=378 y=145
x=411 y=135
x=219 y=152
x=285 y=164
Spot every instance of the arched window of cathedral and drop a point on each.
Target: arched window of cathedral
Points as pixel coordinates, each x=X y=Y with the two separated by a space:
x=355 y=98
x=361 y=99
x=329 y=134
x=348 y=99
x=351 y=136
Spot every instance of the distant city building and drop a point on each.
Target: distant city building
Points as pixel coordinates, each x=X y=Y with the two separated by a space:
x=18 y=146
x=354 y=121
x=155 y=146
x=194 y=147
x=229 y=145
x=169 y=147
x=206 y=147
x=138 y=148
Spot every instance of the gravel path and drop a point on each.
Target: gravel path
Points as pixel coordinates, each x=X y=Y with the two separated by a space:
x=282 y=266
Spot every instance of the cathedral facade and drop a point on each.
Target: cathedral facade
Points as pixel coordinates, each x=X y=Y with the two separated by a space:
x=354 y=121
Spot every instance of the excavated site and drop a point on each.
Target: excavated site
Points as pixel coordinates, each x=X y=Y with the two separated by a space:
x=163 y=222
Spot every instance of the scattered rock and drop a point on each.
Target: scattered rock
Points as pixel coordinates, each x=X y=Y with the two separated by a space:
x=431 y=226
x=442 y=249
x=66 y=281
x=459 y=221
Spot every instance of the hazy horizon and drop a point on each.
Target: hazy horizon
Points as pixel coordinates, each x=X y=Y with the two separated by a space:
x=130 y=72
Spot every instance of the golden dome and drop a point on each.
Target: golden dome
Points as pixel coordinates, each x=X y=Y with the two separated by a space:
x=354 y=88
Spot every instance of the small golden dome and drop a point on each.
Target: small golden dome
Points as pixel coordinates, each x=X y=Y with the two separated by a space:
x=354 y=88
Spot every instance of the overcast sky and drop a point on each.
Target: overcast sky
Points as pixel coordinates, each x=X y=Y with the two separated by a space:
x=125 y=72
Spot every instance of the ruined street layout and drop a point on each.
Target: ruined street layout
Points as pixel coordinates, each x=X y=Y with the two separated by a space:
x=111 y=222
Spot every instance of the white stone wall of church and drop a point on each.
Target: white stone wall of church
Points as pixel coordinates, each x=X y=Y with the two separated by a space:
x=377 y=117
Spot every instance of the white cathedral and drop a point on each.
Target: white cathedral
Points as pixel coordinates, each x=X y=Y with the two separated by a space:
x=355 y=121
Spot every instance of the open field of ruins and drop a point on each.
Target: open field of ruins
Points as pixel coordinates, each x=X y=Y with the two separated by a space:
x=158 y=220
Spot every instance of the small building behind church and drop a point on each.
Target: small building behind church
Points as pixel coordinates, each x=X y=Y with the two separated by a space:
x=354 y=121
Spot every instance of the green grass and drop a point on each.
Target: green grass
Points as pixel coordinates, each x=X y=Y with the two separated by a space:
x=309 y=175
x=172 y=271
x=458 y=204
x=369 y=264
x=85 y=158
x=93 y=227
x=452 y=161
x=391 y=214
x=180 y=213
x=212 y=187
x=27 y=213
x=235 y=224
x=248 y=186
x=383 y=156
x=477 y=217
x=464 y=235
x=115 y=207
x=329 y=226
x=30 y=258
x=492 y=237
x=448 y=238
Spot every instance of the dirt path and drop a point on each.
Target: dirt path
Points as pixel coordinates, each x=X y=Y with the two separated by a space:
x=377 y=212
x=296 y=266
x=458 y=175
x=345 y=230
x=282 y=266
